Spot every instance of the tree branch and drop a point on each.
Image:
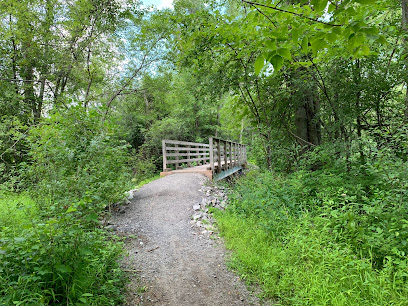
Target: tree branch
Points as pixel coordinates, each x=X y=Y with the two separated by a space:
x=293 y=13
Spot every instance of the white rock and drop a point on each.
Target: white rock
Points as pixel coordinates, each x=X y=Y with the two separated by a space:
x=196 y=207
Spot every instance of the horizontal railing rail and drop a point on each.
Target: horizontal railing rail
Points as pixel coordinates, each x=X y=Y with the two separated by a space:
x=181 y=153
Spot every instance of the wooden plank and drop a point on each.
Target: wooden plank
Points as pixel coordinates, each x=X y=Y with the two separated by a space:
x=186 y=160
x=225 y=155
x=197 y=144
x=230 y=155
x=211 y=154
x=187 y=154
x=177 y=160
x=186 y=149
x=219 y=156
x=164 y=155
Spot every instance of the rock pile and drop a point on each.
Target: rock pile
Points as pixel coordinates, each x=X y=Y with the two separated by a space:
x=215 y=197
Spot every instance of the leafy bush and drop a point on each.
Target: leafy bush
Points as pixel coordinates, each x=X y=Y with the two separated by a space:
x=329 y=236
x=76 y=156
x=55 y=252
x=59 y=260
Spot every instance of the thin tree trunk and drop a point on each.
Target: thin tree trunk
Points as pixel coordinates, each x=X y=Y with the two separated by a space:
x=404 y=8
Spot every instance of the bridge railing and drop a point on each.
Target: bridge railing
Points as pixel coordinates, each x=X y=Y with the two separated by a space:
x=221 y=157
x=179 y=153
x=226 y=155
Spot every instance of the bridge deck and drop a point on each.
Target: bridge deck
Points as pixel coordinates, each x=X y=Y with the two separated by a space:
x=205 y=170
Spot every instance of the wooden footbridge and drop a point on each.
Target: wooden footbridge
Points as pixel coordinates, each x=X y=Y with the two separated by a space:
x=216 y=160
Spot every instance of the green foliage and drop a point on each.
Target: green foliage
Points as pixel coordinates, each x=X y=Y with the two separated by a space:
x=13 y=149
x=52 y=250
x=16 y=211
x=325 y=236
x=56 y=260
x=78 y=158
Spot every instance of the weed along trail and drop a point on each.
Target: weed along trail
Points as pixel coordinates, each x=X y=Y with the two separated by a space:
x=171 y=262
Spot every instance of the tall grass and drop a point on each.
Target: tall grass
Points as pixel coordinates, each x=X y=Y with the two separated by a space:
x=47 y=260
x=300 y=257
x=16 y=211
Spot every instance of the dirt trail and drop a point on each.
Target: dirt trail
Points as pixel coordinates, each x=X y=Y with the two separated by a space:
x=176 y=264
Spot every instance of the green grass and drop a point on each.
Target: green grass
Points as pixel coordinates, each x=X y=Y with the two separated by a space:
x=16 y=211
x=306 y=266
x=47 y=259
x=148 y=180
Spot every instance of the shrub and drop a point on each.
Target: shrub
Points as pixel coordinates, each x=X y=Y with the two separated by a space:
x=76 y=156
x=323 y=237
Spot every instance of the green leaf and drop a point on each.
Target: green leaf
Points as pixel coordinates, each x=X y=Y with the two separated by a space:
x=284 y=52
x=336 y=30
x=277 y=62
x=259 y=64
x=331 y=37
x=92 y=217
x=295 y=35
x=365 y=50
x=355 y=41
x=320 y=5
x=382 y=40
x=63 y=268
x=71 y=209
x=305 y=44
x=317 y=45
x=271 y=45
x=85 y=251
x=331 y=8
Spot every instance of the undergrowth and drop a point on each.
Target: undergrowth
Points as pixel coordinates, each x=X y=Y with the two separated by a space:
x=53 y=249
x=326 y=237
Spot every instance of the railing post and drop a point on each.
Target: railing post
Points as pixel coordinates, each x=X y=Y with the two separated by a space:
x=225 y=156
x=219 y=156
x=177 y=158
x=164 y=155
x=230 y=155
x=211 y=154
x=198 y=156
x=239 y=154
x=188 y=157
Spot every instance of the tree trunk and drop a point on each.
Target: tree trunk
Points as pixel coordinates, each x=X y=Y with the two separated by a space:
x=308 y=131
x=404 y=8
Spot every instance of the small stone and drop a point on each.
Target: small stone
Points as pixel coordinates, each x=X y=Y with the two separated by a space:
x=130 y=195
x=199 y=223
x=111 y=227
x=196 y=207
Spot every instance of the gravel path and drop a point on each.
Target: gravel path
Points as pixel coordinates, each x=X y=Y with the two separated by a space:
x=175 y=263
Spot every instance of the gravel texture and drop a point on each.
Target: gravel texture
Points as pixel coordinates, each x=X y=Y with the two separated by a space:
x=171 y=260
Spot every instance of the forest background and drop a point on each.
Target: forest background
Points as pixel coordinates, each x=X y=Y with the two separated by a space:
x=317 y=89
